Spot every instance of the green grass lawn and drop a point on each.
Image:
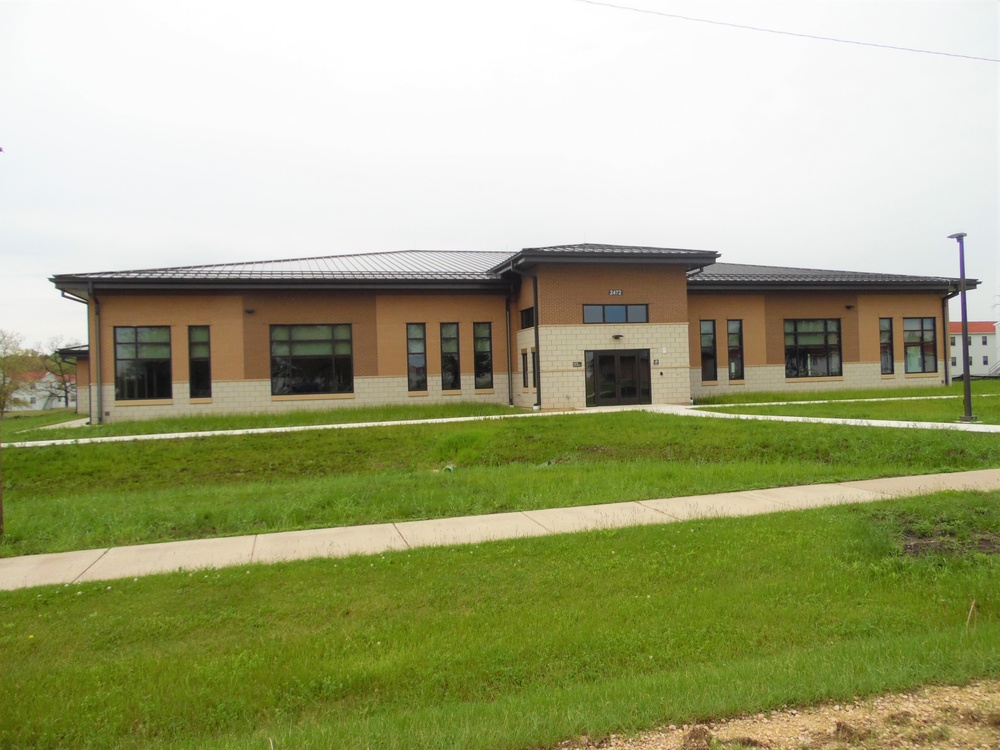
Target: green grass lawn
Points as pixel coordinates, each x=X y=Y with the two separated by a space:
x=25 y=422
x=78 y=497
x=513 y=644
x=26 y=430
x=755 y=397
x=985 y=407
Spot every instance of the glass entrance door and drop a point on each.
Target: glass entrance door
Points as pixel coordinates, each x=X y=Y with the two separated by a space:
x=618 y=377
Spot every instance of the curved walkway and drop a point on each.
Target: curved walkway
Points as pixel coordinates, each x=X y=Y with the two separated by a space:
x=147 y=559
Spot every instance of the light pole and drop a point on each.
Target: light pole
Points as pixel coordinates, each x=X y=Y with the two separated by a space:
x=966 y=380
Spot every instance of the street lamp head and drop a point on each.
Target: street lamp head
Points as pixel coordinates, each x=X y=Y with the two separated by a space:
x=957 y=236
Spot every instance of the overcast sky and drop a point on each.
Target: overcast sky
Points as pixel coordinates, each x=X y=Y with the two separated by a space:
x=151 y=133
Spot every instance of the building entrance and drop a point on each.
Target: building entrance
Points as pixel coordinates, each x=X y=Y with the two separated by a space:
x=617 y=377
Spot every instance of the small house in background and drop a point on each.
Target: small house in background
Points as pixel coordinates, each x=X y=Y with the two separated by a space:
x=564 y=327
x=42 y=390
x=984 y=355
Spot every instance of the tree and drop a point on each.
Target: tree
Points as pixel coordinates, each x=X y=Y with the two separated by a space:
x=15 y=363
x=63 y=370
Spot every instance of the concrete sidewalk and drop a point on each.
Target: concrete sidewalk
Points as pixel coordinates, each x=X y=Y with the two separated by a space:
x=148 y=559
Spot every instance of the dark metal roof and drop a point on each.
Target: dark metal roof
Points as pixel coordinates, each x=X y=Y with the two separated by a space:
x=736 y=276
x=589 y=252
x=77 y=351
x=401 y=265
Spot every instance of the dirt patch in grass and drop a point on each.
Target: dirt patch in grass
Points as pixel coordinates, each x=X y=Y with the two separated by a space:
x=944 y=718
x=918 y=545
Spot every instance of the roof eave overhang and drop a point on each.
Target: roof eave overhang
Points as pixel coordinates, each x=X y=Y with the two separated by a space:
x=527 y=259
x=81 y=287
x=772 y=286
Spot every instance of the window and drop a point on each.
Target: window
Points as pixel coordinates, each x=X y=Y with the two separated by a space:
x=812 y=348
x=416 y=357
x=534 y=369
x=954 y=361
x=986 y=359
x=984 y=341
x=709 y=367
x=142 y=363
x=482 y=346
x=885 y=345
x=953 y=341
x=311 y=359
x=528 y=317
x=199 y=362
x=919 y=344
x=524 y=369
x=451 y=369
x=969 y=340
x=616 y=313
x=734 y=332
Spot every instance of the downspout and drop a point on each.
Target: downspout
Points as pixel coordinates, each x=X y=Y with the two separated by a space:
x=97 y=350
x=97 y=355
x=510 y=364
x=947 y=337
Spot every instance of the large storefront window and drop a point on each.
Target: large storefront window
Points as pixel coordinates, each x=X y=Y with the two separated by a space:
x=142 y=363
x=920 y=344
x=812 y=348
x=311 y=359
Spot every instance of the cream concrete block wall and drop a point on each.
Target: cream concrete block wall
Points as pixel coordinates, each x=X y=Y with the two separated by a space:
x=524 y=341
x=564 y=386
x=772 y=378
x=248 y=396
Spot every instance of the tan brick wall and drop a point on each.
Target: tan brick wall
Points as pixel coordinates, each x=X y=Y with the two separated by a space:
x=223 y=312
x=723 y=308
x=764 y=317
x=299 y=308
x=394 y=311
x=565 y=289
x=871 y=307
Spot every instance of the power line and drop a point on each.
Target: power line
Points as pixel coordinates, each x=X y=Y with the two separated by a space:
x=785 y=33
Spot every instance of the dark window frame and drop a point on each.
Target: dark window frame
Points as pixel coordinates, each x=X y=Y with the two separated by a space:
x=734 y=349
x=199 y=362
x=709 y=351
x=887 y=349
x=416 y=358
x=528 y=318
x=483 y=355
x=805 y=358
x=143 y=378
x=598 y=314
x=920 y=345
x=304 y=372
x=524 y=369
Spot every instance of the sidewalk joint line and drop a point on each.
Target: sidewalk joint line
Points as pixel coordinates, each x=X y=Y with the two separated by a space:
x=84 y=571
x=536 y=521
x=400 y=534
